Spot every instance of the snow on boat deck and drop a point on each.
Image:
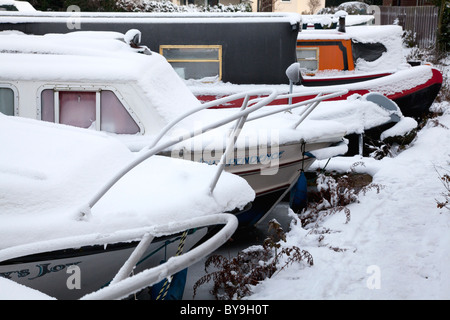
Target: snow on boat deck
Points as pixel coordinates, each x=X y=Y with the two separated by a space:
x=48 y=173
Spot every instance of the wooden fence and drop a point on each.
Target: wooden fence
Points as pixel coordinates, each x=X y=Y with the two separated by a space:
x=421 y=21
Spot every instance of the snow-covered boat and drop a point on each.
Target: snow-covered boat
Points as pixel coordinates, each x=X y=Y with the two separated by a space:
x=355 y=54
x=361 y=59
x=80 y=212
x=413 y=89
x=97 y=80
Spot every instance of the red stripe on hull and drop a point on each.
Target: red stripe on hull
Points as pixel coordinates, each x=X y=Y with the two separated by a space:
x=435 y=79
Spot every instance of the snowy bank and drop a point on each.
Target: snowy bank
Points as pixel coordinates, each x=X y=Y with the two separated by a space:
x=397 y=243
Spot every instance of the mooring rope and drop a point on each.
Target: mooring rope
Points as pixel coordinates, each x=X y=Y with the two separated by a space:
x=165 y=288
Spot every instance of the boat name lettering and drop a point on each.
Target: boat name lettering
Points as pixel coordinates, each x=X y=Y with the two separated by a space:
x=265 y=158
x=42 y=270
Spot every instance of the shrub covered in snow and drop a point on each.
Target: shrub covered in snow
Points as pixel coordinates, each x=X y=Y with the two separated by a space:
x=168 y=6
x=352 y=7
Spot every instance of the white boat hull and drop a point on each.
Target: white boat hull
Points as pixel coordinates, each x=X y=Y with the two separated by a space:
x=54 y=274
x=271 y=172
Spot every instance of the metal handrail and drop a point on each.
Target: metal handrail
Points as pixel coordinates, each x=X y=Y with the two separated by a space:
x=320 y=96
x=246 y=95
x=156 y=148
x=123 y=284
x=123 y=287
x=134 y=258
x=231 y=143
x=242 y=116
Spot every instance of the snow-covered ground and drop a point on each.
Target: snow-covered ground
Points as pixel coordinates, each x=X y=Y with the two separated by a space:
x=397 y=242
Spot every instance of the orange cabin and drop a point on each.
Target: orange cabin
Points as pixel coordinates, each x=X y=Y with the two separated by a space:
x=325 y=54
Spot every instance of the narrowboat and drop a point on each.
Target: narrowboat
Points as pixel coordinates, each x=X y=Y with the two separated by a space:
x=239 y=47
x=361 y=59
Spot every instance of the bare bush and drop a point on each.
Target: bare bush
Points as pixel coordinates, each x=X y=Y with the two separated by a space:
x=234 y=277
x=445 y=179
x=333 y=196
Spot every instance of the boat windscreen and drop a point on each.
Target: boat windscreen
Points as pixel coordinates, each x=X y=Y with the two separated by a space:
x=367 y=51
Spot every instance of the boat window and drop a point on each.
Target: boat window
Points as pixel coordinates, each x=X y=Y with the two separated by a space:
x=194 y=61
x=7 y=101
x=100 y=110
x=8 y=7
x=77 y=108
x=367 y=51
x=48 y=105
x=114 y=117
x=308 y=58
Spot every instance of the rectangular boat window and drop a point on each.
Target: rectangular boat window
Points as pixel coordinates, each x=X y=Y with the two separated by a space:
x=48 y=105
x=7 y=101
x=8 y=7
x=77 y=108
x=86 y=108
x=194 y=61
x=308 y=58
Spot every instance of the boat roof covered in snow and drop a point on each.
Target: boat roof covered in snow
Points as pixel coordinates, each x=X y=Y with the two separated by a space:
x=240 y=38
x=166 y=17
x=89 y=61
x=369 y=49
x=146 y=84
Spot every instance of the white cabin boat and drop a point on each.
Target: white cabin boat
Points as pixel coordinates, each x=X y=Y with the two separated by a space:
x=107 y=82
x=78 y=216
